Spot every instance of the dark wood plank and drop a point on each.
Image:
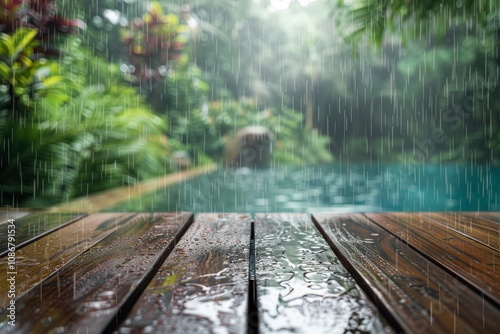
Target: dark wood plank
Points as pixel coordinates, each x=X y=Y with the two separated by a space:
x=11 y=214
x=302 y=287
x=474 y=262
x=94 y=290
x=203 y=285
x=41 y=258
x=417 y=294
x=477 y=226
x=34 y=226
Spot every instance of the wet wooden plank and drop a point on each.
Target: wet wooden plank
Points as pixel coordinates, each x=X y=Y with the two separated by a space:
x=34 y=226
x=474 y=262
x=41 y=258
x=417 y=294
x=302 y=287
x=94 y=290
x=203 y=285
x=479 y=226
x=11 y=214
x=491 y=216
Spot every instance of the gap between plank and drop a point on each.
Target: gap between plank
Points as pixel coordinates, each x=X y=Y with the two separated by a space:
x=253 y=312
x=461 y=279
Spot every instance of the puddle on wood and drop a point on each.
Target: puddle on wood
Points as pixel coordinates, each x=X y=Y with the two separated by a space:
x=202 y=288
x=302 y=287
x=200 y=295
x=208 y=303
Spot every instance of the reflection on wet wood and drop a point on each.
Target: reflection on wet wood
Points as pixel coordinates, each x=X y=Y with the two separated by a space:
x=480 y=227
x=95 y=289
x=302 y=286
x=41 y=258
x=34 y=226
x=417 y=294
x=491 y=216
x=453 y=251
x=423 y=272
x=203 y=285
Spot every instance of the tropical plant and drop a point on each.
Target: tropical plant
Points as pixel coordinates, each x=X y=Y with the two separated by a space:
x=441 y=61
x=39 y=15
x=151 y=43
x=212 y=129
x=115 y=140
x=56 y=147
x=415 y=20
x=22 y=76
x=24 y=81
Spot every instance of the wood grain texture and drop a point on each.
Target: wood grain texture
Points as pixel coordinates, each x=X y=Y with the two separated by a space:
x=417 y=294
x=302 y=287
x=474 y=262
x=34 y=226
x=203 y=285
x=41 y=258
x=477 y=226
x=88 y=294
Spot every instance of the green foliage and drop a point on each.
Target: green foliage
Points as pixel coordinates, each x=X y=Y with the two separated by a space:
x=463 y=80
x=230 y=47
x=182 y=90
x=413 y=20
x=120 y=140
x=25 y=149
x=54 y=149
x=439 y=92
x=296 y=144
x=212 y=129
x=116 y=140
x=87 y=124
x=151 y=43
x=21 y=76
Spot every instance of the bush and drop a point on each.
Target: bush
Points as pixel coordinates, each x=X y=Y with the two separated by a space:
x=68 y=136
x=209 y=130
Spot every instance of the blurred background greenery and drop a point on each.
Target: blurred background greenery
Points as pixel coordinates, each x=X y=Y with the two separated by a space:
x=95 y=95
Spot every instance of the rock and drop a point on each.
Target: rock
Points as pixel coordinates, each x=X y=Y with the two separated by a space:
x=251 y=147
x=180 y=160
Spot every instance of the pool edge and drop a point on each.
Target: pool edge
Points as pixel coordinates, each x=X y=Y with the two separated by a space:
x=108 y=198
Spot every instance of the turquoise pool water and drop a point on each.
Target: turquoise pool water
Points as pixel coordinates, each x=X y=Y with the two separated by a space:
x=342 y=188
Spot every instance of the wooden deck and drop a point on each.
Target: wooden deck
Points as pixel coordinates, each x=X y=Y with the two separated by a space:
x=231 y=273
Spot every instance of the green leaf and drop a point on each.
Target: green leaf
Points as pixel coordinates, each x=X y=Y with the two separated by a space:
x=51 y=81
x=27 y=62
x=5 y=71
x=22 y=39
x=19 y=91
x=6 y=46
x=172 y=20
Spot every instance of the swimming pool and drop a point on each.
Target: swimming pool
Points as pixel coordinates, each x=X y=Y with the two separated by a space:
x=341 y=188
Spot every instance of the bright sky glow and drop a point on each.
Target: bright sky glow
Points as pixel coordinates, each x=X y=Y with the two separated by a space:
x=284 y=4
